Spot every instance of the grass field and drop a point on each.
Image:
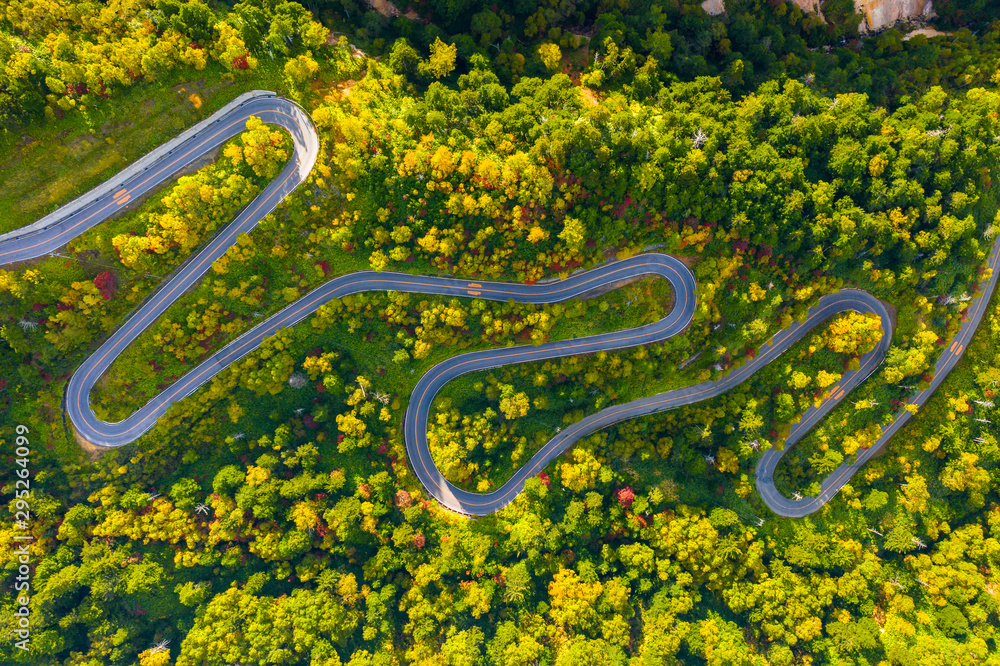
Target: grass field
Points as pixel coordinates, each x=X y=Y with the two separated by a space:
x=48 y=164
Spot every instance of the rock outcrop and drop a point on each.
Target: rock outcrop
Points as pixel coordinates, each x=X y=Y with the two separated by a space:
x=877 y=13
x=880 y=13
x=714 y=7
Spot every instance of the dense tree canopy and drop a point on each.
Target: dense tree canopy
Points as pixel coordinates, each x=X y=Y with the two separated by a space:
x=272 y=517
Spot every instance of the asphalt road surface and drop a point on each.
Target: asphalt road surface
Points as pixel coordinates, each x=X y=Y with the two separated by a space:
x=839 y=477
x=289 y=116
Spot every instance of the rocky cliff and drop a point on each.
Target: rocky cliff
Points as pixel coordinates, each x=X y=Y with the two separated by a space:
x=877 y=13
x=880 y=13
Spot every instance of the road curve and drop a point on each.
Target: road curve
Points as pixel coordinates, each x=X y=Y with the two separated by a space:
x=839 y=477
x=415 y=425
x=20 y=246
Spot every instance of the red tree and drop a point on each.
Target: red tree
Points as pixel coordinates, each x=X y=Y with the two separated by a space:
x=107 y=283
x=625 y=497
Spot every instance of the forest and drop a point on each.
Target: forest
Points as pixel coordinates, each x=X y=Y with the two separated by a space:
x=272 y=517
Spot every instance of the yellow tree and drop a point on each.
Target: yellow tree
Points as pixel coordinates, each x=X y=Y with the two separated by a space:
x=852 y=333
x=299 y=70
x=513 y=404
x=583 y=473
x=263 y=148
x=551 y=56
x=573 y=233
x=230 y=49
x=441 y=61
x=572 y=603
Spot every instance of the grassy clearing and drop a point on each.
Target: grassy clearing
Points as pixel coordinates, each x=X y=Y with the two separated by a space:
x=59 y=160
x=50 y=163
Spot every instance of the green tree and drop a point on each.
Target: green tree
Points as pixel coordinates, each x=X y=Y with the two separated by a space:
x=486 y=26
x=403 y=58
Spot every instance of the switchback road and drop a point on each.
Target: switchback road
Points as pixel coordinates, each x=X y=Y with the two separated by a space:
x=163 y=164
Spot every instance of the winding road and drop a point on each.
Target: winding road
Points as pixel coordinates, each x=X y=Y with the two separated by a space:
x=160 y=166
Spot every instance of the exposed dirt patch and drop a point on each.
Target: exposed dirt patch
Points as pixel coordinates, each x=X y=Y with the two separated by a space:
x=686 y=259
x=883 y=14
x=892 y=313
x=927 y=32
x=384 y=7
x=81 y=142
x=576 y=59
x=216 y=87
x=332 y=91
x=589 y=98
x=607 y=288
x=640 y=279
x=340 y=91
x=94 y=452
x=714 y=7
